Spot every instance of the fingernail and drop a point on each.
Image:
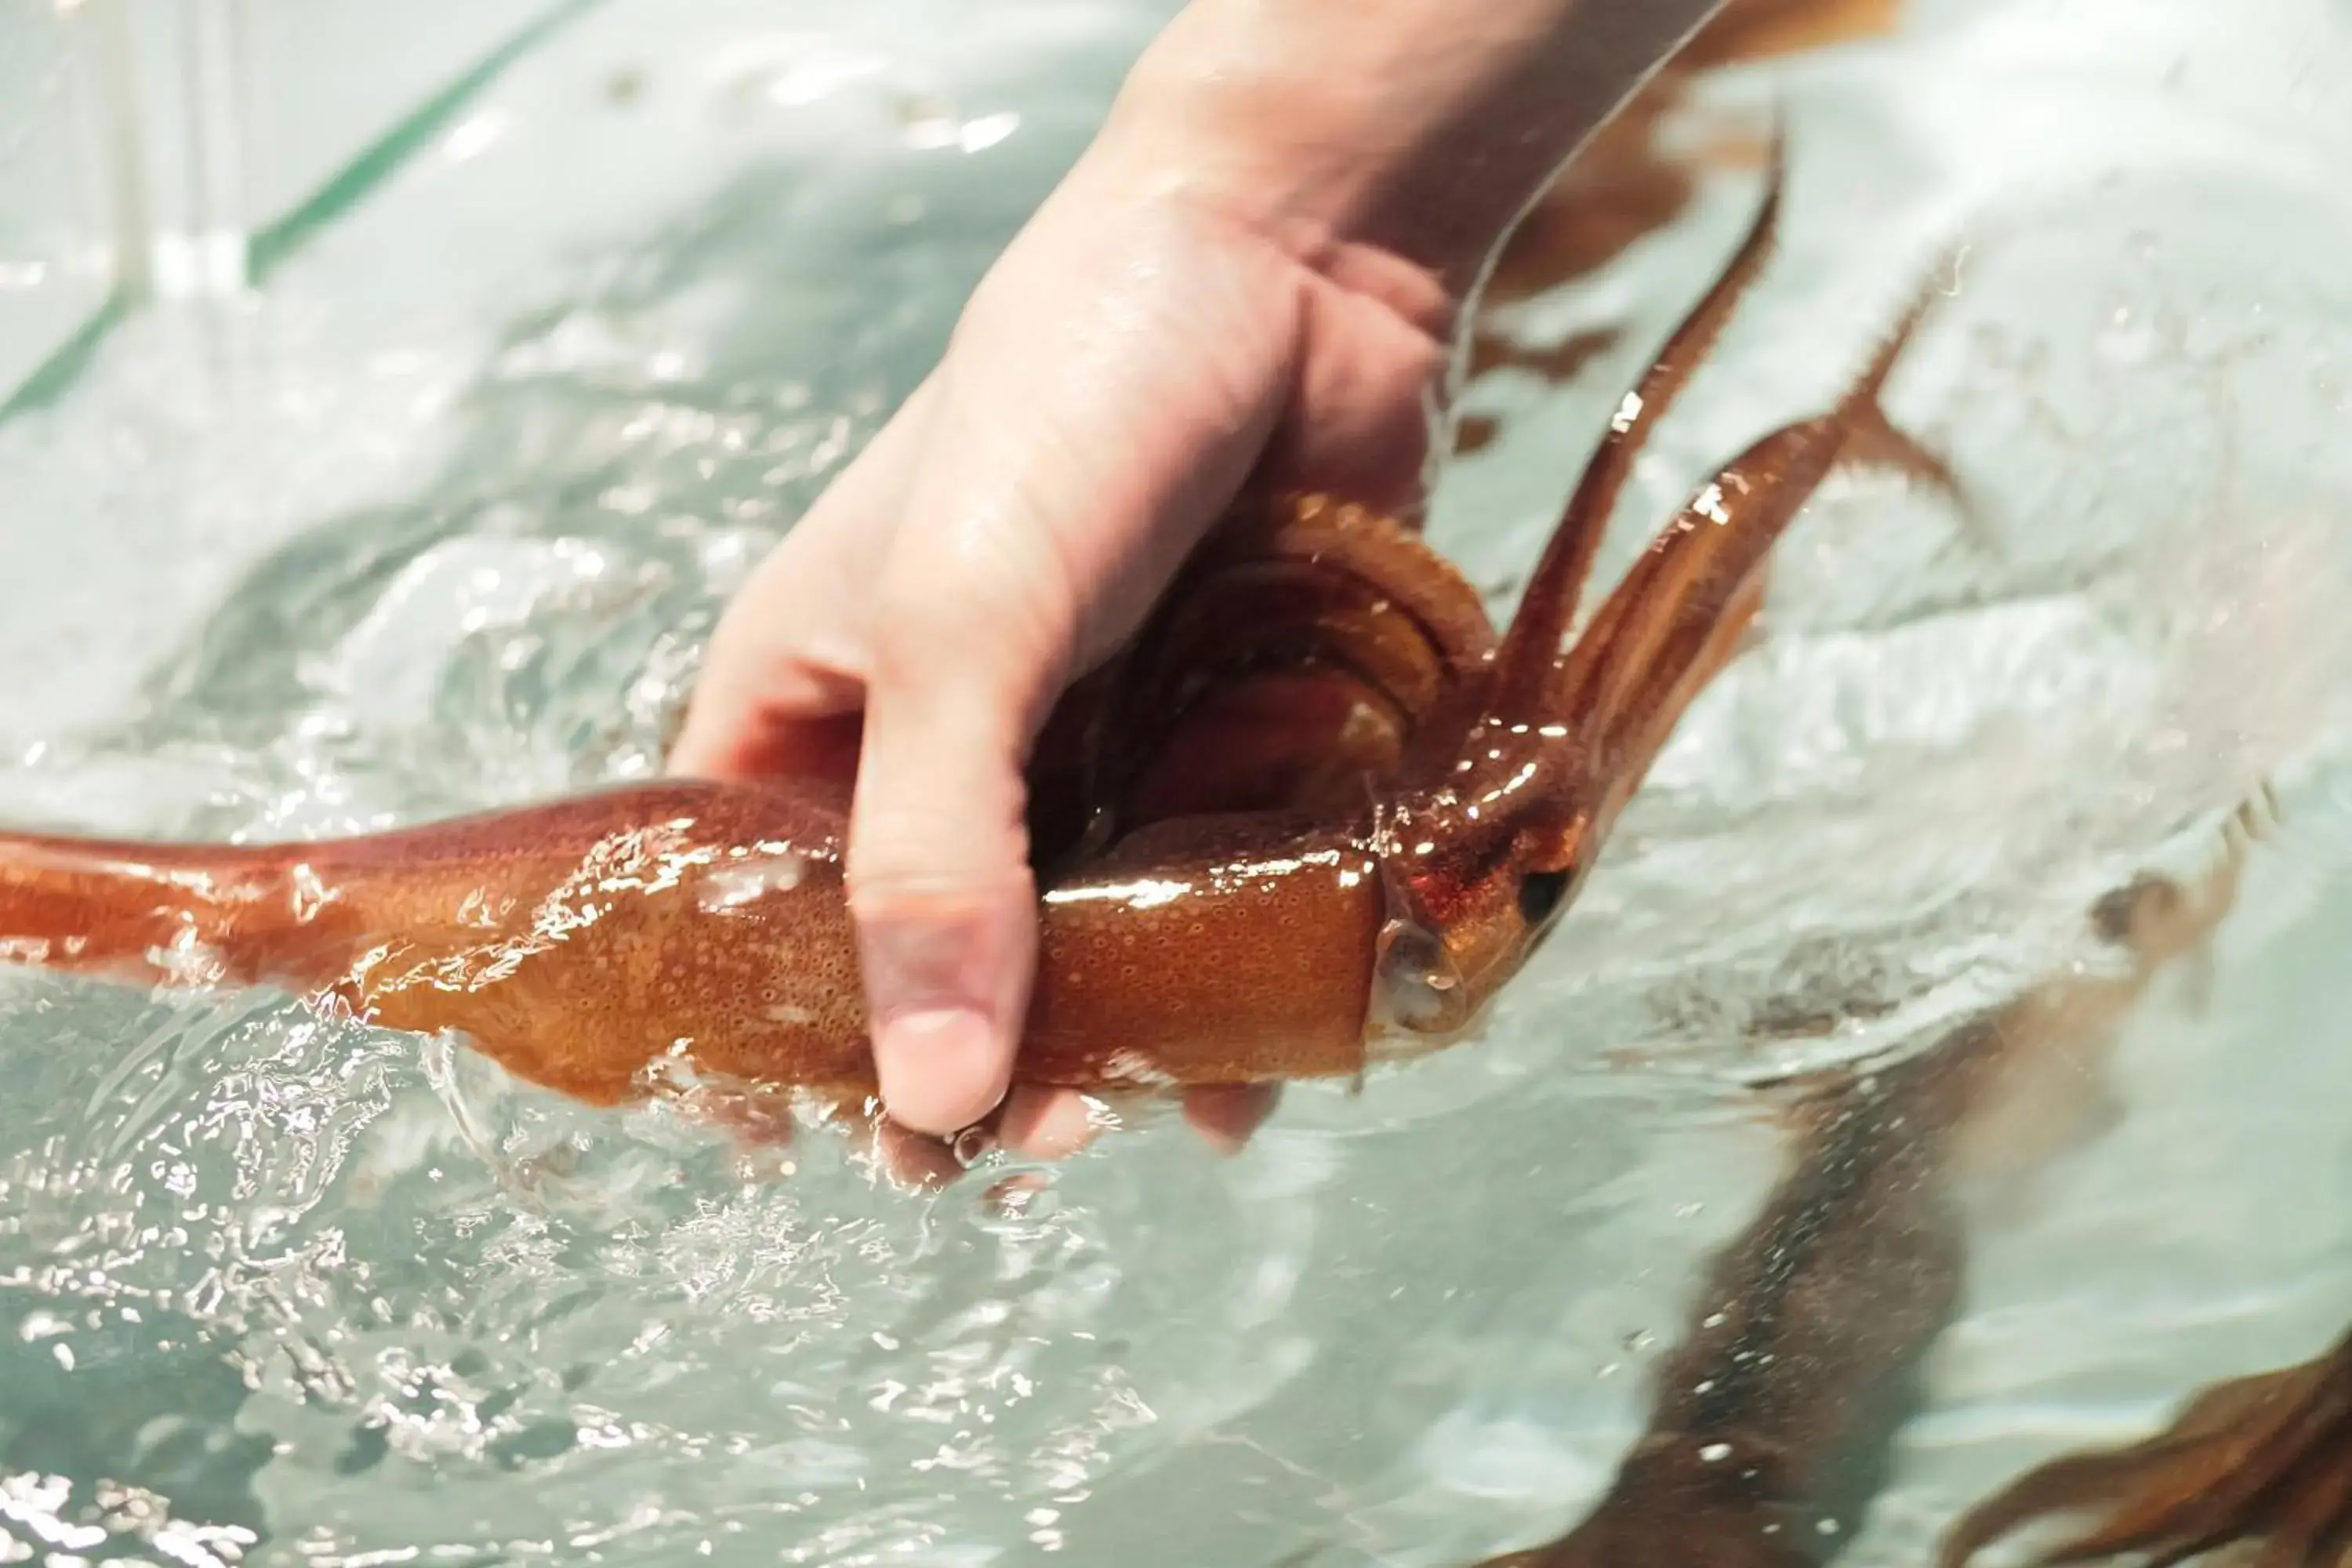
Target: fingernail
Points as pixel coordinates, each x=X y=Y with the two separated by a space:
x=1227 y=1115
x=938 y=1068
x=1052 y=1124
x=937 y=977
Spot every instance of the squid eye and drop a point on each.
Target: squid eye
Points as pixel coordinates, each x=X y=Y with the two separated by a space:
x=1540 y=894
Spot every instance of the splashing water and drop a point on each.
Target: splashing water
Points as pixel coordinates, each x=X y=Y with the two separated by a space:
x=438 y=519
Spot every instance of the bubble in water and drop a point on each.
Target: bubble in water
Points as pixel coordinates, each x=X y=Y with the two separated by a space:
x=2128 y=338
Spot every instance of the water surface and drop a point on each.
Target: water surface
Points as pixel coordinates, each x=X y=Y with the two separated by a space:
x=440 y=519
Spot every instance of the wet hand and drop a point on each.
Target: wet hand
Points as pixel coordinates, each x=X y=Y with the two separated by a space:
x=1254 y=269
x=1133 y=359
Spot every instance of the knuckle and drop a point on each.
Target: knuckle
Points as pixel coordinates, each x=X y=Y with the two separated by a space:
x=983 y=630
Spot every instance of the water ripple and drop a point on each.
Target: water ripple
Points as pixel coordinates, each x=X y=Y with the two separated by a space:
x=273 y=1289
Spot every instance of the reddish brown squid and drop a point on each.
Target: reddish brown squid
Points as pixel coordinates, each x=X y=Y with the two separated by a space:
x=1316 y=811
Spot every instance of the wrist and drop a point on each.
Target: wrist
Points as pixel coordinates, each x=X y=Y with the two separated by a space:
x=1416 y=131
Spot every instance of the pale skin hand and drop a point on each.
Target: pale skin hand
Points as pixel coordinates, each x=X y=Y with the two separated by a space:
x=1255 y=271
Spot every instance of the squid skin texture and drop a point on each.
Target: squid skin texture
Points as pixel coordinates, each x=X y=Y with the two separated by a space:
x=578 y=941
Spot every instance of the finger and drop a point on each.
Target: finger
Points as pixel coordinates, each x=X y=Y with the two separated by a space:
x=786 y=670
x=1065 y=480
x=1227 y=1115
x=1042 y=1123
x=912 y=1161
x=946 y=972
x=750 y=1121
x=973 y=633
x=1366 y=401
x=1011 y=1195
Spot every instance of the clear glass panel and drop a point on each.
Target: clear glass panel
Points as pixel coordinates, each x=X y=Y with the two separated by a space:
x=57 y=196
x=170 y=146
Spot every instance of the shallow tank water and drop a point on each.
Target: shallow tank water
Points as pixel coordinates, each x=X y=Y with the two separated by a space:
x=391 y=395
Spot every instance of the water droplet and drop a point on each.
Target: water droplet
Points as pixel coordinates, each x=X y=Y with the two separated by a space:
x=2128 y=338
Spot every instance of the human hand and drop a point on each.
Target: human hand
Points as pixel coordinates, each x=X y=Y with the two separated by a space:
x=1133 y=359
x=1255 y=271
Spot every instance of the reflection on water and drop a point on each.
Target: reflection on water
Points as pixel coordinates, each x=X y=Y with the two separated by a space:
x=284 y=1291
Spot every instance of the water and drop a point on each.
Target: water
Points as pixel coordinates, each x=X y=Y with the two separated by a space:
x=439 y=517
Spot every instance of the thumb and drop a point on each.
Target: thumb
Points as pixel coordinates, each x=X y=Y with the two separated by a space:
x=940 y=890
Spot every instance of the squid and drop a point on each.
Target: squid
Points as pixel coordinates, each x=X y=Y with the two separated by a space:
x=1773 y=1419
x=2260 y=1465
x=2255 y=1469
x=1312 y=817
x=1628 y=183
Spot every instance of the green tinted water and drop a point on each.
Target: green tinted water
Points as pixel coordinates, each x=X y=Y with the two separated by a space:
x=440 y=518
